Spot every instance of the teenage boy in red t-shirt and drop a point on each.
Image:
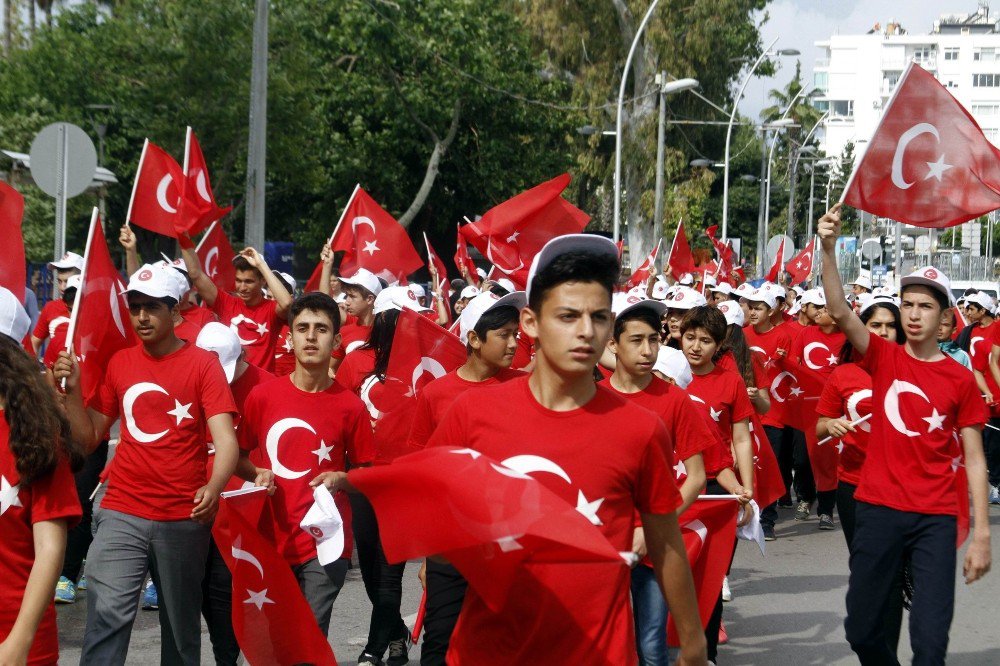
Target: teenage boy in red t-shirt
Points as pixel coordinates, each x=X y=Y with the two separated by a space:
x=360 y=291
x=906 y=498
x=158 y=508
x=256 y=319
x=56 y=311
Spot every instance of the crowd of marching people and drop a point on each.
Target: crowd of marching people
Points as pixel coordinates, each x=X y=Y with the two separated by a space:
x=635 y=406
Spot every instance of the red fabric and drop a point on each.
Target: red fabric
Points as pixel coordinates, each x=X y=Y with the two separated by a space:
x=257 y=327
x=437 y=396
x=356 y=366
x=680 y=258
x=462 y=258
x=193 y=319
x=775 y=270
x=724 y=254
x=848 y=394
x=241 y=388
x=50 y=498
x=199 y=201
x=531 y=560
x=928 y=163
x=156 y=200
x=352 y=336
x=979 y=351
x=165 y=404
x=912 y=459
x=723 y=396
x=216 y=255
x=444 y=285
x=648 y=267
x=510 y=234
x=768 y=484
x=800 y=266
x=817 y=350
x=298 y=435
x=709 y=531
x=765 y=348
x=52 y=325
x=272 y=620
x=103 y=326
x=284 y=353
x=12 y=267
x=372 y=238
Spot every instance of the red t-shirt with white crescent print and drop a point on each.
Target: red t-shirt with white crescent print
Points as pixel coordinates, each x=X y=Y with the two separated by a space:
x=765 y=347
x=297 y=435
x=609 y=458
x=257 y=327
x=53 y=325
x=50 y=498
x=817 y=350
x=912 y=457
x=848 y=393
x=979 y=352
x=165 y=404
x=723 y=396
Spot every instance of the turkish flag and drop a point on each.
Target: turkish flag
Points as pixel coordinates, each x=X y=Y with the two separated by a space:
x=709 y=531
x=724 y=251
x=648 y=267
x=800 y=266
x=216 y=255
x=12 y=268
x=799 y=388
x=769 y=486
x=272 y=621
x=157 y=192
x=199 y=201
x=442 y=274
x=775 y=270
x=680 y=260
x=462 y=258
x=100 y=323
x=371 y=238
x=928 y=163
x=512 y=233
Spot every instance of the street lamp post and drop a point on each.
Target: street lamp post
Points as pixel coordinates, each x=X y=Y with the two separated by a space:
x=660 y=149
x=764 y=207
x=802 y=149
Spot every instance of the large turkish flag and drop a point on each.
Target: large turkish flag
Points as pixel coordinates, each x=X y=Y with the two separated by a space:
x=12 y=268
x=372 y=238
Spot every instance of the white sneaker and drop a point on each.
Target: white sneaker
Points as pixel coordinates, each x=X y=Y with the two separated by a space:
x=994 y=495
x=727 y=594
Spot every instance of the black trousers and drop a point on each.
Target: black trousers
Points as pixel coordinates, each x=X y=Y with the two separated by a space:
x=445 y=595
x=789 y=446
x=383 y=581
x=883 y=537
x=78 y=539
x=991 y=445
x=217 y=607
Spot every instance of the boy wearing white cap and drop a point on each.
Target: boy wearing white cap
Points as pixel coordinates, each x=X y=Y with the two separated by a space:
x=360 y=292
x=907 y=505
x=54 y=317
x=159 y=503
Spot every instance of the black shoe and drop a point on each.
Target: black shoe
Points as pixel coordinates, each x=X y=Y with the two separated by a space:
x=399 y=650
x=367 y=658
x=785 y=504
x=826 y=522
x=768 y=532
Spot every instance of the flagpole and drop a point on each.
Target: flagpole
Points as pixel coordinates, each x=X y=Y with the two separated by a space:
x=187 y=150
x=673 y=243
x=204 y=236
x=344 y=214
x=861 y=420
x=71 y=329
x=719 y=497
x=135 y=184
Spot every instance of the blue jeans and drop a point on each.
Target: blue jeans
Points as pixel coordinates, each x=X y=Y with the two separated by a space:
x=650 y=611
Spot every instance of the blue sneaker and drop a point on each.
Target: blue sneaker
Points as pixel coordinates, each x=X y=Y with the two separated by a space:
x=65 y=591
x=150 y=599
x=81 y=585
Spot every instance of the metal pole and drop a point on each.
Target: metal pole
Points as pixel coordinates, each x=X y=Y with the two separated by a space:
x=899 y=252
x=660 y=140
x=792 y=176
x=812 y=184
x=761 y=205
x=618 y=119
x=60 y=231
x=253 y=233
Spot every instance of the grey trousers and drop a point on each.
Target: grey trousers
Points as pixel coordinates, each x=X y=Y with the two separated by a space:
x=125 y=548
x=320 y=586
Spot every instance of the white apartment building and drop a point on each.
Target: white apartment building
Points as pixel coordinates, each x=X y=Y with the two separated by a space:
x=856 y=74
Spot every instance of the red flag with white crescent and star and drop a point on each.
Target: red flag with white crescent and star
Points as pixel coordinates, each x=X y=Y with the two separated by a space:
x=928 y=163
x=648 y=267
x=775 y=270
x=157 y=192
x=680 y=258
x=216 y=256
x=799 y=389
x=371 y=238
x=800 y=266
x=511 y=233
x=199 y=200
x=272 y=620
x=464 y=262
x=12 y=268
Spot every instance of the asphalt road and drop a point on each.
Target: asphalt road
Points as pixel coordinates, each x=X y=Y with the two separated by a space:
x=788 y=609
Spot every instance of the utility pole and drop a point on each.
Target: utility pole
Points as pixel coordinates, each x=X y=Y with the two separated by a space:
x=253 y=233
x=660 y=139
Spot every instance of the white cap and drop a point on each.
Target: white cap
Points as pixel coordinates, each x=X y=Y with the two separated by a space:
x=176 y=264
x=762 y=295
x=74 y=282
x=182 y=284
x=340 y=298
x=569 y=243
x=469 y=292
x=418 y=290
x=624 y=303
x=863 y=281
x=686 y=280
x=481 y=273
x=733 y=312
x=324 y=522
x=366 y=279
x=776 y=289
x=722 y=288
x=507 y=284
x=980 y=298
x=872 y=301
x=155 y=281
x=813 y=297
x=397 y=298
x=661 y=290
x=69 y=260
x=219 y=338
x=672 y=363
x=744 y=290
x=883 y=291
x=685 y=298
x=288 y=278
x=14 y=321
x=710 y=280
x=795 y=309
x=932 y=278
x=483 y=303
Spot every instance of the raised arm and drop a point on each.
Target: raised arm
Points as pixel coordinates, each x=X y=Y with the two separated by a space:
x=202 y=283
x=274 y=285
x=326 y=256
x=828 y=229
x=126 y=237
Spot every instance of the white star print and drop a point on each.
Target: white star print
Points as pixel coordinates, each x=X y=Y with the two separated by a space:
x=323 y=452
x=258 y=599
x=472 y=453
x=8 y=495
x=798 y=265
x=935 y=421
x=679 y=469
x=509 y=543
x=589 y=509
x=371 y=248
x=262 y=329
x=956 y=462
x=840 y=447
x=288 y=343
x=513 y=236
x=937 y=169
x=181 y=412
x=715 y=413
x=796 y=392
x=832 y=359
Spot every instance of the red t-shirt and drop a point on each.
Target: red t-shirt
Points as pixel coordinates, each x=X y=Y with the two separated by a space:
x=165 y=404
x=723 y=396
x=284 y=353
x=53 y=324
x=609 y=459
x=352 y=336
x=912 y=455
x=51 y=498
x=765 y=347
x=817 y=350
x=356 y=366
x=980 y=332
x=193 y=319
x=848 y=393
x=979 y=352
x=257 y=327
x=241 y=388
x=313 y=433
x=437 y=396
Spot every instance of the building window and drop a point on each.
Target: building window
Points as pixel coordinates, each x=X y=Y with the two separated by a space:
x=950 y=83
x=984 y=54
x=986 y=109
x=951 y=53
x=986 y=80
x=821 y=80
x=842 y=107
x=923 y=53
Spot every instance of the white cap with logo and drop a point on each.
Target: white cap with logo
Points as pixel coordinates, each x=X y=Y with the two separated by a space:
x=983 y=300
x=366 y=279
x=685 y=298
x=674 y=364
x=469 y=292
x=623 y=303
x=863 y=281
x=325 y=524
x=932 y=278
x=156 y=281
x=397 y=298
x=732 y=312
x=722 y=288
x=219 y=338
x=68 y=260
x=813 y=297
x=482 y=304
x=14 y=321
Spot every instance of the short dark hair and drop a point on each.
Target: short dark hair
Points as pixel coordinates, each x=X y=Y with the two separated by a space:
x=644 y=314
x=708 y=318
x=348 y=287
x=317 y=302
x=939 y=297
x=498 y=290
x=240 y=263
x=494 y=319
x=574 y=267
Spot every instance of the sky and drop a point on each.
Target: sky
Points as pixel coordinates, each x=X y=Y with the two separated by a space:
x=800 y=23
